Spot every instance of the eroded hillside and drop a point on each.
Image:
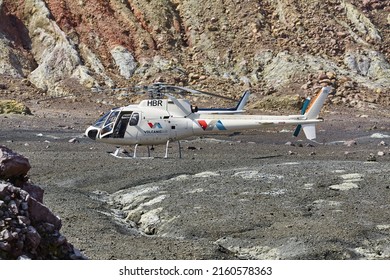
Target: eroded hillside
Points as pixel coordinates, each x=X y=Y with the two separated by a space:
x=271 y=46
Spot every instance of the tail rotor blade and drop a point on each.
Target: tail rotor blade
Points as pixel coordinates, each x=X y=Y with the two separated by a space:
x=303 y=111
x=297 y=130
x=305 y=105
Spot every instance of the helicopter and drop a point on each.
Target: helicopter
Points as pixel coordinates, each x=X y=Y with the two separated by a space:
x=163 y=118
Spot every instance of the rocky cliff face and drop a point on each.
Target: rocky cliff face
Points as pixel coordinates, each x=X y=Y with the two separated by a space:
x=271 y=46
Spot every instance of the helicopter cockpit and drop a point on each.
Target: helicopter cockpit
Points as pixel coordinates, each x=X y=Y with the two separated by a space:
x=113 y=124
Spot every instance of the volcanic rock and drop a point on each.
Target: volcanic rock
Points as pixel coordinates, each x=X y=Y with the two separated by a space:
x=12 y=165
x=28 y=229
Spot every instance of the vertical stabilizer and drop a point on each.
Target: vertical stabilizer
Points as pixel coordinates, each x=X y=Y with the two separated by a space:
x=311 y=110
x=244 y=99
x=316 y=104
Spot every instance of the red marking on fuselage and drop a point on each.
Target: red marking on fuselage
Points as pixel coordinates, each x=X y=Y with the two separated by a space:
x=203 y=124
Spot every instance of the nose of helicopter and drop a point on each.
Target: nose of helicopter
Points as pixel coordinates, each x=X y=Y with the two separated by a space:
x=91 y=132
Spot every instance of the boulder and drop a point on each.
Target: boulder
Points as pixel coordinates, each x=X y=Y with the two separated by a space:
x=34 y=191
x=12 y=165
x=39 y=213
x=28 y=229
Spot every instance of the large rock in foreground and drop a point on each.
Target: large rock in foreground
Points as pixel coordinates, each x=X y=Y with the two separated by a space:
x=12 y=165
x=28 y=229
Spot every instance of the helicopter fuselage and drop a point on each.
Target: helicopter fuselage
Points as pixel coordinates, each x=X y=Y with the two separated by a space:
x=157 y=121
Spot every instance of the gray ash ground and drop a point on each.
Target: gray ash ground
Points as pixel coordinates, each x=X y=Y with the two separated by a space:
x=242 y=196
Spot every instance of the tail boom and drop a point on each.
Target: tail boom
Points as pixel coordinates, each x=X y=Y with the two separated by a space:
x=226 y=122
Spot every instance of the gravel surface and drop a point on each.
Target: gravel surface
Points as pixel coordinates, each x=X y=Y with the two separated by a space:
x=256 y=195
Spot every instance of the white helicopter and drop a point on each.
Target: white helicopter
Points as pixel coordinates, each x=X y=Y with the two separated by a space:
x=160 y=121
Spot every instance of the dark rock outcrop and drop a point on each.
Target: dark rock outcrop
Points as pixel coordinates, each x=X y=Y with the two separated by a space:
x=28 y=229
x=12 y=165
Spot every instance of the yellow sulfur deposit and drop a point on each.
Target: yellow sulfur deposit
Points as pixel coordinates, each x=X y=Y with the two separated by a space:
x=13 y=107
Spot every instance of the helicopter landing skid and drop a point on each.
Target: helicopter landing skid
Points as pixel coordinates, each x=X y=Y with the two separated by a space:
x=129 y=156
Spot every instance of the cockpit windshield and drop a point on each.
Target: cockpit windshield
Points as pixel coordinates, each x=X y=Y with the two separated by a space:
x=111 y=119
x=102 y=120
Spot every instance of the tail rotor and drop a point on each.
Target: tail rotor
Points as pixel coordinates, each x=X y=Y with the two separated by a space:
x=303 y=111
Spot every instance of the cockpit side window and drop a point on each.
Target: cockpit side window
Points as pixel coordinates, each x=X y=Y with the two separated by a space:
x=134 y=119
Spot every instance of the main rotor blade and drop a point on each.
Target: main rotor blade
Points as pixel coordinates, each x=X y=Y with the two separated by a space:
x=195 y=91
x=158 y=88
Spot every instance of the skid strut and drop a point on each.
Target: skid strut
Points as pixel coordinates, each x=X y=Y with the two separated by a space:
x=167 y=146
x=118 y=149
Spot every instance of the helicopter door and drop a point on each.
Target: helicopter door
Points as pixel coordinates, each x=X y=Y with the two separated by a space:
x=132 y=130
x=121 y=125
x=108 y=127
